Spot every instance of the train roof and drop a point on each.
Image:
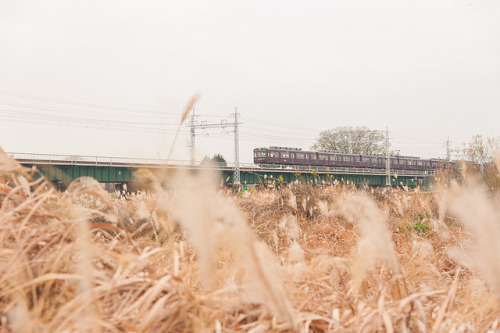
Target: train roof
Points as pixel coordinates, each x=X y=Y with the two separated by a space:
x=284 y=148
x=332 y=151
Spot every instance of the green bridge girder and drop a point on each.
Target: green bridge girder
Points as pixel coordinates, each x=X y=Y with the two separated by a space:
x=103 y=174
x=64 y=174
x=325 y=179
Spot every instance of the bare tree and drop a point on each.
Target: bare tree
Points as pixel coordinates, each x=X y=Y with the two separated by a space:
x=480 y=149
x=356 y=140
x=480 y=153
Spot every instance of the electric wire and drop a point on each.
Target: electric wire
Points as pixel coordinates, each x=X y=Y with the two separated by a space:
x=114 y=115
x=80 y=103
x=18 y=114
x=268 y=131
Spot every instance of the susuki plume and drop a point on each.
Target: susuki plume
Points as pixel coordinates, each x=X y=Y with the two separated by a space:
x=478 y=213
x=213 y=222
x=189 y=106
x=375 y=243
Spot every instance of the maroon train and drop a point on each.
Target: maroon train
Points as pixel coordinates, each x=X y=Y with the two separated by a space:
x=297 y=156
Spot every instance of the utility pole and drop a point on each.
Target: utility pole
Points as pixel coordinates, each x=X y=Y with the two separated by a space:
x=448 y=150
x=350 y=141
x=192 y=126
x=387 y=159
x=236 y=180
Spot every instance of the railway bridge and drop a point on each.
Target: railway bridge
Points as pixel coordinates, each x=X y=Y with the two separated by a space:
x=114 y=172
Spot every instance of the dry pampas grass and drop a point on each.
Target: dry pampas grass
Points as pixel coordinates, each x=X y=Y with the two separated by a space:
x=197 y=258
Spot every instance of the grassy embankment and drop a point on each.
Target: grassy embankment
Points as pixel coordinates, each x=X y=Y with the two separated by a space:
x=197 y=258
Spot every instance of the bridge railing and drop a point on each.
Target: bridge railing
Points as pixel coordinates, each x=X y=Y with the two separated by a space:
x=344 y=170
x=92 y=160
x=114 y=161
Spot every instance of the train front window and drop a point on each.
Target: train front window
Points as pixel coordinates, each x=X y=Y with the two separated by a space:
x=260 y=154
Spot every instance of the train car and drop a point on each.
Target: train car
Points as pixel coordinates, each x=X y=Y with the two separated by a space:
x=296 y=156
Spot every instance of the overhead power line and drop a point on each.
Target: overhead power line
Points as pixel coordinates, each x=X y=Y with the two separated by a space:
x=22 y=107
x=81 y=103
x=85 y=112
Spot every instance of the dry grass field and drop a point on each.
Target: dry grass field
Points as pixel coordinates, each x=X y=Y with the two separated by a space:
x=192 y=257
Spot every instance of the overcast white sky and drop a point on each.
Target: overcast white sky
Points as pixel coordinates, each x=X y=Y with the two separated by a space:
x=102 y=77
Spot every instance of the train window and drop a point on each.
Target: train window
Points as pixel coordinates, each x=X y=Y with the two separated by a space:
x=300 y=156
x=332 y=157
x=374 y=160
x=347 y=159
x=273 y=154
x=357 y=159
x=313 y=156
x=292 y=155
x=402 y=162
x=307 y=156
x=285 y=154
x=410 y=162
x=323 y=157
x=365 y=159
x=420 y=163
x=260 y=154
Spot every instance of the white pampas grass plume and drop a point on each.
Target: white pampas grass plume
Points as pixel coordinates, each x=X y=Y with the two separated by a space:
x=193 y=206
x=476 y=210
x=189 y=106
x=296 y=253
x=212 y=222
x=292 y=201
x=289 y=226
x=323 y=207
x=375 y=243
